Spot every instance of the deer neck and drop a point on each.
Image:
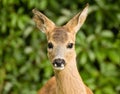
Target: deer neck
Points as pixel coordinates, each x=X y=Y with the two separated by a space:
x=69 y=80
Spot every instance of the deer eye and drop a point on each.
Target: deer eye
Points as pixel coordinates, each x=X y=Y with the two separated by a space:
x=50 y=45
x=70 y=45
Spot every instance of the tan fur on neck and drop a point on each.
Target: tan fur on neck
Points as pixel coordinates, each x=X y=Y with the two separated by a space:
x=69 y=81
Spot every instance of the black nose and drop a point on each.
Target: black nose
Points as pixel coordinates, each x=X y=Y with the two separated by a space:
x=59 y=62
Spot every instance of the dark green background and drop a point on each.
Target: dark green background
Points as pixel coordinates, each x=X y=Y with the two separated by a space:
x=24 y=66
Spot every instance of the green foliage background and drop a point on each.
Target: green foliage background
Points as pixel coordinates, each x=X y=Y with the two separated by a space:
x=24 y=66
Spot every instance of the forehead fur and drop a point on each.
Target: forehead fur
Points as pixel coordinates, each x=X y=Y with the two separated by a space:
x=60 y=35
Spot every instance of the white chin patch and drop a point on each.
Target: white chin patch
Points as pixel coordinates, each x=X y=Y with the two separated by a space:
x=58 y=68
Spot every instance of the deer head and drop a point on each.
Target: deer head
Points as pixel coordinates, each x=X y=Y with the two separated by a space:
x=61 y=40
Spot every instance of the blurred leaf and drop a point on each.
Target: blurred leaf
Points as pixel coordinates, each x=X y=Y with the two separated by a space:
x=90 y=39
x=83 y=58
x=61 y=20
x=100 y=55
x=43 y=4
x=3 y=75
x=107 y=34
x=27 y=31
x=106 y=67
x=114 y=56
x=91 y=55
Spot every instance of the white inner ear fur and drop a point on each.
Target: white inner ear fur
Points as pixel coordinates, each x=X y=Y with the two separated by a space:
x=82 y=18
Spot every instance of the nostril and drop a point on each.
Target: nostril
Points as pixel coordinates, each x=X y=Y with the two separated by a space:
x=59 y=63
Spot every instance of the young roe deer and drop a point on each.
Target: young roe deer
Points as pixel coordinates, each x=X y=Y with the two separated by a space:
x=61 y=52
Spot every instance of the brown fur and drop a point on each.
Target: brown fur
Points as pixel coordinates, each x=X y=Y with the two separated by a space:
x=60 y=35
x=50 y=87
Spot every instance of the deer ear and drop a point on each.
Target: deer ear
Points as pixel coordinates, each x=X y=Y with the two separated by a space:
x=77 y=21
x=42 y=22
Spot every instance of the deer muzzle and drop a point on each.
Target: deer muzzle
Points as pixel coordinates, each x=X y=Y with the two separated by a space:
x=59 y=64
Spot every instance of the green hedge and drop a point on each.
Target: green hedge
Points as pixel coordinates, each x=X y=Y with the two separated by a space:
x=24 y=66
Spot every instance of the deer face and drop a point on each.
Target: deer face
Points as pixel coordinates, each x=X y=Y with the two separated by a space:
x=61 y=47
x=61 y=40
